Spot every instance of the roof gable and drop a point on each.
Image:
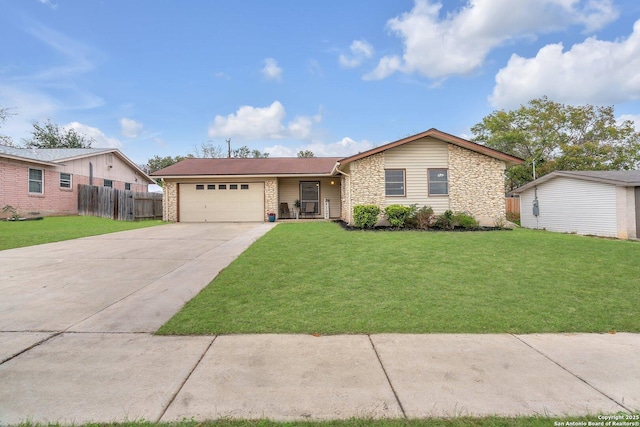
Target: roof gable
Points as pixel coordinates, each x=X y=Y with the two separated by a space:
x=251 y=166
x=444 y=137
x=57 y=156
x=615 y=177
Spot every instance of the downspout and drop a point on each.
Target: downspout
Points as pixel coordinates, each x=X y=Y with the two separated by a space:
x=344 y=190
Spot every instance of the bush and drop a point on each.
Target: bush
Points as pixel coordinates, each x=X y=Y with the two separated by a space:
x=466 y=221
x=397 y=215
x=422 y=218
x=365 y=216
x=444 y=221
x=513 y=217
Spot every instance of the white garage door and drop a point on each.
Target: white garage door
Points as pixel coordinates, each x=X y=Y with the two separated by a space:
x=222 y=202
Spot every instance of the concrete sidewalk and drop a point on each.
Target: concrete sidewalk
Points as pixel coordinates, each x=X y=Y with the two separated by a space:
x=76 y=346
x=79 y=377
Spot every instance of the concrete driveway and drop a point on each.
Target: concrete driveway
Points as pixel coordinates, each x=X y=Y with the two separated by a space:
x=131 y=281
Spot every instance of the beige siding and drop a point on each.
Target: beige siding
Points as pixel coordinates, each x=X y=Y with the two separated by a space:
x=106 y=166
x=572 y=206
x=416 y=158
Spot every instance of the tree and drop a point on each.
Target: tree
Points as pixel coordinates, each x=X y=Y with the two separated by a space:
x=156 y=163
x=305 y=153
x=244 y=152
x=4 y=114
x=209 y=151
x=51 y=136
x=559 y=137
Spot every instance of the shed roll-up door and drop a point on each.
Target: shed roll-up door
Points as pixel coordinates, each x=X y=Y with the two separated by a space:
x=222 y=202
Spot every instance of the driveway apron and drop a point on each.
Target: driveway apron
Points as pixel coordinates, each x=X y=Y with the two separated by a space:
x=131 y=281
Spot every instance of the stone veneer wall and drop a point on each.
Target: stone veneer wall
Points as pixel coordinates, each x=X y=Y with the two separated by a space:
x=366 y=183
x=270 y=197
x=170 y=202
x=476 y=185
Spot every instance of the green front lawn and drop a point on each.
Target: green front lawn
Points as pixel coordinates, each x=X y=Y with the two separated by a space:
x=317 y=278
x=16 y=234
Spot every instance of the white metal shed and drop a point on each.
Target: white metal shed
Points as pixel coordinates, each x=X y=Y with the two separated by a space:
x=600 y=203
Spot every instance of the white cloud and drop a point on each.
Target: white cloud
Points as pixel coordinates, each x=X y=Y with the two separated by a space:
x=222 y=75
x=271 y=70
x=130 y=128
x=343 y=148
x=360 y=50
x=252 y=123
x=438 y=46
x=101 y=140
x=49 y=3
x=595 y=71
x=634 y=118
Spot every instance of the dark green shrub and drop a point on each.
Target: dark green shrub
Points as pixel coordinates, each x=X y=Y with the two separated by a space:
x=422 y=218
x=444 y=221
x=464 y=220
x=397 y=215
x=365 y=216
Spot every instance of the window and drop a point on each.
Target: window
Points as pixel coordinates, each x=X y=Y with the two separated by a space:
x=394 y=182
x=108 y=183
x=222 y=187
x=211 y=186
x=244 y=186
x=199 y=186
x=65 y=180
x=127 y=186
x=438 y=182
x=233 y=186
x=36 y=181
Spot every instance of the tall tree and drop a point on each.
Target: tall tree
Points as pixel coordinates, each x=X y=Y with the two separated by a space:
x=50 y=135
x=4 y=114
x=556 y=136
x=245 y=152
x=156 y=163
x=209 y=151
x=305 y=153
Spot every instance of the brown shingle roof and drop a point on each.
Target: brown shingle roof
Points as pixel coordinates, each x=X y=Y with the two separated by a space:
x=268 y=166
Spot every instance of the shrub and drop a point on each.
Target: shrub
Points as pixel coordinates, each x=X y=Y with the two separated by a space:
x=397 y=215
x=422 y=218
x=365 y=216
x=513 y=217
x=464 y=220
x=444 y=221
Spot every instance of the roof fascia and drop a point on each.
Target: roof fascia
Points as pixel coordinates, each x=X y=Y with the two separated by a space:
x=117 y=153
x=574 y=176
x=444 y=137
x=294 y=175
x=28 y=160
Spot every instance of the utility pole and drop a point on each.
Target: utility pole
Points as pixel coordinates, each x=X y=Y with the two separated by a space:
x=229 y=146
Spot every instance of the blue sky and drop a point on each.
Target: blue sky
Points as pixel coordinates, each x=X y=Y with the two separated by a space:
x=335 y=77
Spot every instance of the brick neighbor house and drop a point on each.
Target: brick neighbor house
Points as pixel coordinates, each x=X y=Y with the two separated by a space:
x=43 y=181
x=431 y=168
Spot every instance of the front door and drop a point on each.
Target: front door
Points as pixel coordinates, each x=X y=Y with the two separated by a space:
x=310 y=194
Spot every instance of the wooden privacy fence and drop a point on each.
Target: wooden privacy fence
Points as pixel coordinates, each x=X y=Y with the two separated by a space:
x=512 y=204
x=122 y=205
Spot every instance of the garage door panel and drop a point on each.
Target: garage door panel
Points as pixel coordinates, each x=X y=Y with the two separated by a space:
x=212 y=204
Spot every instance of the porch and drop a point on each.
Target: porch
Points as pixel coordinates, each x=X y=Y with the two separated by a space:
x=316 y=196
